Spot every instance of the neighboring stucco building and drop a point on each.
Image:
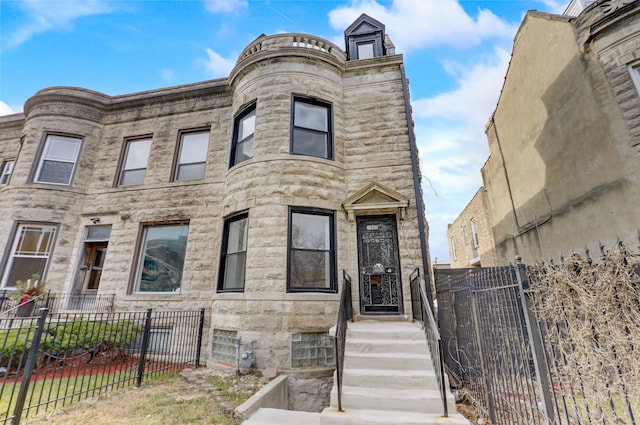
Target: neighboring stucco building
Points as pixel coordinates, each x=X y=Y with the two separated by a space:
x=564 y=170
x=470 y=236
x=248 y=195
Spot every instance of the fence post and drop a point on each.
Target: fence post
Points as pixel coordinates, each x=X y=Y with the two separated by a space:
x=143 y=348
x=29 y=367
x=535 y=342
x=200 y=331
x=475 y=318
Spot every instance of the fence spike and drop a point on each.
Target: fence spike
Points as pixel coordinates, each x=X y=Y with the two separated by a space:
x=638 y=236
x=551 y=261
x=561 y=259
x=601 y=247
x=586 y=252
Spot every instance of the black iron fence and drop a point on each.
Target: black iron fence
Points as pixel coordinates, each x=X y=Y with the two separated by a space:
x=422 y=312
x=546 y=344
x=50 y=361
x=345 y=313
x=56 y=303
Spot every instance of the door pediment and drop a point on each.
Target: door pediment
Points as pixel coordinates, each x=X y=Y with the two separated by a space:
x=375 y=198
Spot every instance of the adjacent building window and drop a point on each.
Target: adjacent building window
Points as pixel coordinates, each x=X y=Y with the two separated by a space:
x=58 y=160
x=311 y=132
x=244 y=128
x=6 y=170
x=134 y=163
x=234 y=253
x=161 y=259
x=453 y=248
x=474 y=233
x=192 y=155
x=29 y=253
x=311 y=250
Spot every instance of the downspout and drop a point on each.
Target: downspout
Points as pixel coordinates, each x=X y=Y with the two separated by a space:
x=417 y=187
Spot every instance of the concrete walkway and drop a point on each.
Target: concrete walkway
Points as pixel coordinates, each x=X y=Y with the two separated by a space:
x=388 y=380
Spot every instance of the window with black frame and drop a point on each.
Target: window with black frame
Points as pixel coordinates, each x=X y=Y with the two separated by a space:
x=311 y=132
x=233 y=255
x=311 y=250
x=244 y=128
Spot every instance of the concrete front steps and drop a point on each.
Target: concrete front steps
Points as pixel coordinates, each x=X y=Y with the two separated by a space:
x=388 y=379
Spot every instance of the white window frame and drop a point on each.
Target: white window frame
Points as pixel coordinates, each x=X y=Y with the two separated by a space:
x=474 y=233
x=43 y=252
x=46 y=156
x=7 y=170
x=453 y=248
x=634 y=71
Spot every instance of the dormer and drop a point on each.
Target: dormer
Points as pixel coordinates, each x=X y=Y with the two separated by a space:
x=365 y=39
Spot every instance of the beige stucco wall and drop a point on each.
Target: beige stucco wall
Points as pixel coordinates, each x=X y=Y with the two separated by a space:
x=562 y=172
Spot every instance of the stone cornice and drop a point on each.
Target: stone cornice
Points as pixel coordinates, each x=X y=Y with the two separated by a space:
x=91 y=105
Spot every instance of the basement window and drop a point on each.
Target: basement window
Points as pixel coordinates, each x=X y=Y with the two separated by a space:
x=312 y=350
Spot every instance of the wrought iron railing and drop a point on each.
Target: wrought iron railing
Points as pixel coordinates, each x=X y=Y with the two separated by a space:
x=56 y=303
x=345 y=313
x=547 y=344
x=50 y=361
x=422 y=312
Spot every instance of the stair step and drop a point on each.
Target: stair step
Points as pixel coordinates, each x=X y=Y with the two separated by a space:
x=331 y=416
x=421 y=378
x=266 y=416
x=384 y=330
x=391 y=361
x=406 y=400
x=370 y=345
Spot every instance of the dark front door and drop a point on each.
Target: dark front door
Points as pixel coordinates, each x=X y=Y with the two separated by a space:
x=380 y=284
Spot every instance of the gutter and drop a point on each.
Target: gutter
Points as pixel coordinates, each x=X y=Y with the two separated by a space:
x=417 y=187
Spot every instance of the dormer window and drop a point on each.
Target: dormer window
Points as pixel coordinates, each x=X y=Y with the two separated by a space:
x=364 y=39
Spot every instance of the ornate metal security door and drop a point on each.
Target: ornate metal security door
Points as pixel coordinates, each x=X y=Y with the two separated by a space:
x=380 y=283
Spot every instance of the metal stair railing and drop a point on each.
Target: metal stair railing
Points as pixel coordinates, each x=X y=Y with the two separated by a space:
x=345 y=313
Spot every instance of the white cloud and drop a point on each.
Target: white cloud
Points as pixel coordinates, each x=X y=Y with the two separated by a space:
x=6 y=109
x=216 y=65
x=45 y=15
x=167 y=74
x=216 y=6
x=553 y=6
x=476 y=95
x=417 y=24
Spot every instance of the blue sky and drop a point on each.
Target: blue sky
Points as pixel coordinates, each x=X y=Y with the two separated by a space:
x=456 y=54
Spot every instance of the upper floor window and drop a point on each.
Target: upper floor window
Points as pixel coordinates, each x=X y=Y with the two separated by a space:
x=29 y=253
x=134 y=162
x=474 y=233
x=244 y=127
x=312 y=250
x=58 y=159
x=192 y=155
x=161 y=259
x=366 y=50
x=6 y=170
x=453 y=248
x=634 y=70
x=234 y=253
x=311 y=132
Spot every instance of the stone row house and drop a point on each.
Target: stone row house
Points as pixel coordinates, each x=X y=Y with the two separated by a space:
x=249 y=196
